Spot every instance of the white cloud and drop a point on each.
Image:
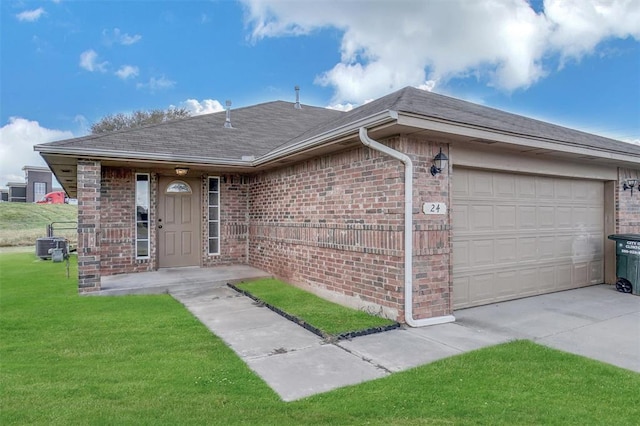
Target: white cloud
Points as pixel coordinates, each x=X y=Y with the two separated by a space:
x=117 y=36
x=342 y=107
x=207 y=106
x=127 y=71
x=30 y=15
x=17 y=139
x=89 y=61
x=126 y=39
x=428 y=85
x=155 y=84
x=83 y=124
x=389 y=44
x=580 y=25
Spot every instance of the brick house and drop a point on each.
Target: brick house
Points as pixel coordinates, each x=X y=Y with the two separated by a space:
x=321 y=199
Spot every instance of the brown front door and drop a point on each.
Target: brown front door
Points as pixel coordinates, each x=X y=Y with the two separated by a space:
x=178 y=222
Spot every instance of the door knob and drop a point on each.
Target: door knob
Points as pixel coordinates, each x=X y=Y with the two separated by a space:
x=159 y=226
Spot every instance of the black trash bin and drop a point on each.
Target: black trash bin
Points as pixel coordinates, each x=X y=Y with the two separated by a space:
x=627 y=262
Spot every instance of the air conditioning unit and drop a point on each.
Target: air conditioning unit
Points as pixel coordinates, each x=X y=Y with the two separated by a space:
x=44 y=245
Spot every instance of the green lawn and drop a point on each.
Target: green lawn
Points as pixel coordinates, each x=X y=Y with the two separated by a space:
x=66 y=359
x=22 y=223
x=330 y=318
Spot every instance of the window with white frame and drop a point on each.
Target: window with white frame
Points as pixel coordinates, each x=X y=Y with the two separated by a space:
x=214 y=215
x=142 y=215
x=39 y=190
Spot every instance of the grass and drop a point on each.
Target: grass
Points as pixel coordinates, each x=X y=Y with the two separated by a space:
x=22 y=223
x=328 y=317
x=145 y=360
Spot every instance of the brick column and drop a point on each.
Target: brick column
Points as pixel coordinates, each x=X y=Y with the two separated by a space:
x=432 y=272
x=627 y=205
x=88 y=226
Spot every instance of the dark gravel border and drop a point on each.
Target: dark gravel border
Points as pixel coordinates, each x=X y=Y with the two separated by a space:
x=314 y=330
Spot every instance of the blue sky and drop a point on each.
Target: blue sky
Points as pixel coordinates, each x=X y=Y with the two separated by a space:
x=65 y=64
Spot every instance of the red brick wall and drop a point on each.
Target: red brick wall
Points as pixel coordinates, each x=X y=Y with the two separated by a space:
x=88 y=176
x=332 y=224
x=117 y=219
x=233 y=221
x=117 y=222
x=627 y=205
x=432 y=268
x=335 y=225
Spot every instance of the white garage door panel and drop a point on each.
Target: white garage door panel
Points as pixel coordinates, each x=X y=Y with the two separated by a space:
x=521 y=235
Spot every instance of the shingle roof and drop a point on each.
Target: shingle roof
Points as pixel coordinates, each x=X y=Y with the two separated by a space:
x=270 y=126
x=428 y=104
x=256 y=130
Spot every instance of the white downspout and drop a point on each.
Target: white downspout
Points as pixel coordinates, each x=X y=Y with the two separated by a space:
x=408 y=232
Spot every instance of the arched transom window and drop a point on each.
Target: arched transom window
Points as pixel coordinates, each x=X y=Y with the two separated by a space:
x=178 y=186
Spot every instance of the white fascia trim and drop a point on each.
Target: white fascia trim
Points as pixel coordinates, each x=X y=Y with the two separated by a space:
x=347 y=129
x=408 y=232
x=127 y=155
x=494 y=135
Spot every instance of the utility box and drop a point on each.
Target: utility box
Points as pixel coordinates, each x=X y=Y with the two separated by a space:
x=627 y=262
x=44 y=246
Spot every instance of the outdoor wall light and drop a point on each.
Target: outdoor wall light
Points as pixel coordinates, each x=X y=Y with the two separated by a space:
x=182 y=171
x=629 y=184
x=439 y=163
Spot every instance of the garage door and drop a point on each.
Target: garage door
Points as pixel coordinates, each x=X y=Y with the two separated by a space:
x=521 y=235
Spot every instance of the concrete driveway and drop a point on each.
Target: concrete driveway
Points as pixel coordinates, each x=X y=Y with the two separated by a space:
x=597 y=322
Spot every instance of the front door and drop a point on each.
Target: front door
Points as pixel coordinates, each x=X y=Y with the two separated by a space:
x=178 y=222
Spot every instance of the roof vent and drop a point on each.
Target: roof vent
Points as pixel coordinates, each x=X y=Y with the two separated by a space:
x=297 y=105
x=227 y=121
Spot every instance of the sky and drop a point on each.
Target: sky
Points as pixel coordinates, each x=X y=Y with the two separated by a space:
x=66 y=64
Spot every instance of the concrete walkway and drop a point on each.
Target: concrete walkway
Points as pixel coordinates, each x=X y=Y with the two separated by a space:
x=596 y=322
x=297 y=363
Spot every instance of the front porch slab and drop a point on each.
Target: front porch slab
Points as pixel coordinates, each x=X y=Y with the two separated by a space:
x=169 y=280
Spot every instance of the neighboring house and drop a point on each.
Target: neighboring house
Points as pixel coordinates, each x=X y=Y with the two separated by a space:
x=17 y=192
x=37 y=183
x=38 y=180
x=317 y=197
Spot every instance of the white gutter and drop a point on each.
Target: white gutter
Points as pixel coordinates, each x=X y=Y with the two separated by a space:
x=463 y=129
x=380 y=118
x=408 y=232
x=146 y=157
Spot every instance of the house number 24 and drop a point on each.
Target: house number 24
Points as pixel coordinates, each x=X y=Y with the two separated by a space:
x=434 y=208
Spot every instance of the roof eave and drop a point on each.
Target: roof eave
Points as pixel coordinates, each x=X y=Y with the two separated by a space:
x=147 y=157
x=477 y=132
x=380 y=118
